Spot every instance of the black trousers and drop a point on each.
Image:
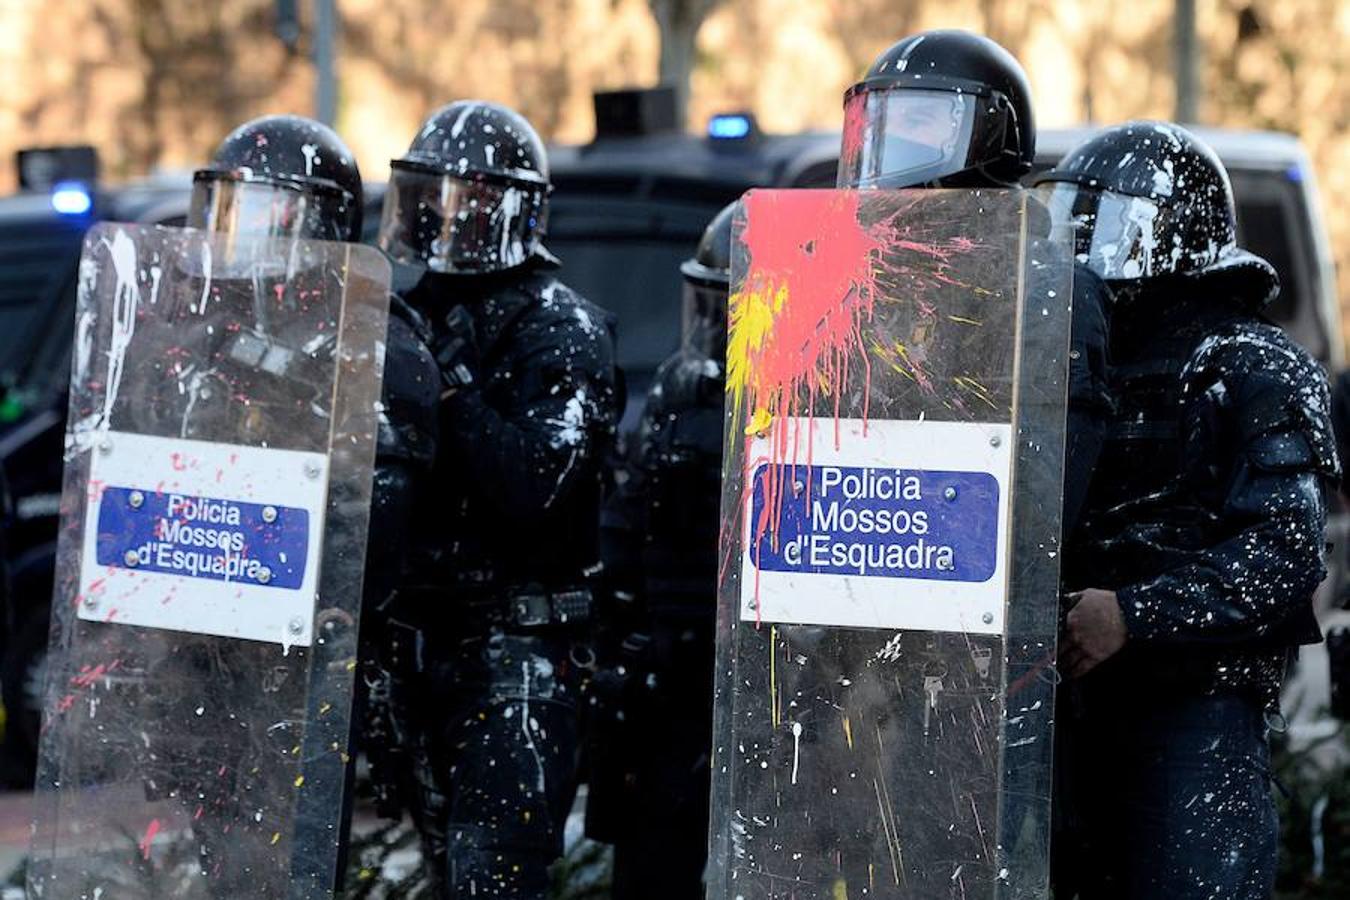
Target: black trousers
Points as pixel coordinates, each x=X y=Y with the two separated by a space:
x=491 y=725
x=1164 y=796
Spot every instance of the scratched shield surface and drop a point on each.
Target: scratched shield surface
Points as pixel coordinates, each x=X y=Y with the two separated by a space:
x=888 y=597
x=219 y=451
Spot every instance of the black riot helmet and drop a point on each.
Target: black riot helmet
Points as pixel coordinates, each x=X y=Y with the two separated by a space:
x=1150 y=200
x=279 y=176
x=707 y=283
x=940 y=108
x=470 y=195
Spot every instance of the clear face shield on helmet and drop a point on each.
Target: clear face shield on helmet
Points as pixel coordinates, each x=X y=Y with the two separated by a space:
x=902 y=137
x=1118 y=236
x=704 y=319
x=459 y=225
x=233 y=206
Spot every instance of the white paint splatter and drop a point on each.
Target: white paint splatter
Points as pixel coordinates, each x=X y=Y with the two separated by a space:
x=571 y=427
x=458 y=127
x=796 y=748
x=126 y=300
x=525 y=723
x=510 y=252
x=311 y=153
x=206 y=278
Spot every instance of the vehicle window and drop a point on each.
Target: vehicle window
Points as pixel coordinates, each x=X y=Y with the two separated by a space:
x=1273 y=223
x=38 y=260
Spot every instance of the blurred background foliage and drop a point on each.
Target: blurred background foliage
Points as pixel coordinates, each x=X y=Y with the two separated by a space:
x=156 y=83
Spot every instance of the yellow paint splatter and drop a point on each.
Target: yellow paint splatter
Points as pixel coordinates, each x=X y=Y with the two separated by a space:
x=299 y=780
x=750 y=315
x=276 y=836
x=964 y=321
x=848 y=732
x=839 y=891
x=759 y=422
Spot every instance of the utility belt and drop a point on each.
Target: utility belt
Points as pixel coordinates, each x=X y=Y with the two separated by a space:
x=466 y=608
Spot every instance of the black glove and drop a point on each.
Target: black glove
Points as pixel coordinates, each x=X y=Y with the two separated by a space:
x=456 y=350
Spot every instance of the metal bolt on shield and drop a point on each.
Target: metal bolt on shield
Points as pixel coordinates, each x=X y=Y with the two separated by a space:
x=130 y=558
x=269 y=514
x=312 y=470
x=949 y=493
x=105 y=447
x=264 y=576
x=995 y=441
x=988 y=618
x=296 y=626
x=135 y=499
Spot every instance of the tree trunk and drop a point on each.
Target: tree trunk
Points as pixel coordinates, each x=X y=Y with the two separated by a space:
x=679 y=22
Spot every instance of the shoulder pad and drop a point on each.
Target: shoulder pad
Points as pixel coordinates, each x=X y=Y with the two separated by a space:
x=686 y=380
x=1277 y=391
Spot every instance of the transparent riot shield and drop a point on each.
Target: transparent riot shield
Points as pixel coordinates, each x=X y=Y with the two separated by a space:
x=888 y=607
x=220 y=442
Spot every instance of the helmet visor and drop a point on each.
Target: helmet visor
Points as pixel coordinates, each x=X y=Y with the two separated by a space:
x=227 y=205
x=704 y=320
x=453 y=224
x=902 y=137
x=1118 y=236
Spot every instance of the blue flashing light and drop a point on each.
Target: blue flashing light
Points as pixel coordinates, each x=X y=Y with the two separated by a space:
x=1294 y=173
x=70 y=198
x=729 y=127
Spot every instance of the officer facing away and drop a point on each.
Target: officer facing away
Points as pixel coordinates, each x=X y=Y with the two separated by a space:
x=951 y=109
x=483 y=636
x=660 y=548
x=1202 y=534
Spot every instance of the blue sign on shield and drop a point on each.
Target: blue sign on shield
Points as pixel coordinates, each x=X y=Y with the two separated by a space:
x=203 y=537
x=880 y=522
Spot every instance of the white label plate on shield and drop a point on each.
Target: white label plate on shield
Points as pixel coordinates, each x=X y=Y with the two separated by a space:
x=898 y=524
x=209 y=538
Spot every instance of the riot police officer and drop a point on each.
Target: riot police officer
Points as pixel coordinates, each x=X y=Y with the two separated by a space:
x=660 y=548
x=290 y=178
x=951 y=109
x=1202 y=534
x=485 y=643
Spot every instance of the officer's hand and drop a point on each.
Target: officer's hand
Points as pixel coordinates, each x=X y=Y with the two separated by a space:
x=456 y=350
x=1094 y=630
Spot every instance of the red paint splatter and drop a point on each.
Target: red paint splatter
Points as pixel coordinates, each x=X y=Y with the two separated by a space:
x=812 y=263
x=150 y=831
x=176 y=460
x=90 y=674
x=797 y=321
x=855 y=131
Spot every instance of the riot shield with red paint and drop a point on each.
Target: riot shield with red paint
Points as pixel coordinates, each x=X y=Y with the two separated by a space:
x=888 y=597
x=219 y=449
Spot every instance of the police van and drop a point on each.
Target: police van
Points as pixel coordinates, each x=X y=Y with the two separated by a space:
x=627 y=208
